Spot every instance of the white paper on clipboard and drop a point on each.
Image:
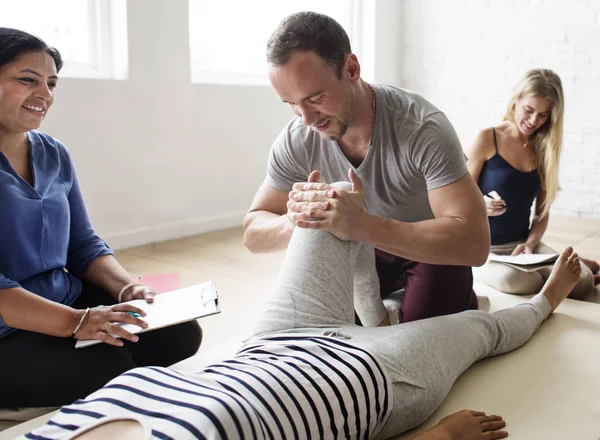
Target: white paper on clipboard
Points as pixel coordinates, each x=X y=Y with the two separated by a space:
x=171 y=308
x=525 y=262
x=524 y=259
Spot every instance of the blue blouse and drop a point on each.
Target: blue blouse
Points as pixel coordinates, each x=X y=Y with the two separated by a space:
x=44 y=228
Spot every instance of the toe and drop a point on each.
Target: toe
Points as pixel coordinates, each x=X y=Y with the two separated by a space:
x=573 y=257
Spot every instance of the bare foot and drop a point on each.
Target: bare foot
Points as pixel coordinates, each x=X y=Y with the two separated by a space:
x=596 y=279
x=593 y=265
x=564 y=276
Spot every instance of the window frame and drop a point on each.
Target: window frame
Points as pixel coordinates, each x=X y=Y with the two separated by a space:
x=106 y=25
x=202 y=76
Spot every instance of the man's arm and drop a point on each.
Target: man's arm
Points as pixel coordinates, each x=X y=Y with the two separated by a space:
x=458 y=235
x=266 y=226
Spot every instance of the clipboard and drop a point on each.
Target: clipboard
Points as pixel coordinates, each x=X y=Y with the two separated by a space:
x=525 y=262
x=171 y=308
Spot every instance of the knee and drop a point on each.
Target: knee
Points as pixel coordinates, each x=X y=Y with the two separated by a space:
x=190 y=337
x=93 y=373
x=584 y=286
x=440 y=277
x=515 y=281
x=314 y=234
x=181 y=344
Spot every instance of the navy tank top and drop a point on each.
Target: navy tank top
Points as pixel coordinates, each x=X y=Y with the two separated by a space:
x=517 y=188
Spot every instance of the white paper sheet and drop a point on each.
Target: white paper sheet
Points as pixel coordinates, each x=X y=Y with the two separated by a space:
x=524 y=259
x=171 y=308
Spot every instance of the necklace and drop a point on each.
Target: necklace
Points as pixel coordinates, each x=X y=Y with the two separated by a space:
x=373 y=107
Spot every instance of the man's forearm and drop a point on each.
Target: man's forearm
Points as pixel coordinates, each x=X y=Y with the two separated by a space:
x=445 y=240
x=267 y=232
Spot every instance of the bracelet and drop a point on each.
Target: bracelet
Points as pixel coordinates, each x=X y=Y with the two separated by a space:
x=87 y=311
x=124 y=288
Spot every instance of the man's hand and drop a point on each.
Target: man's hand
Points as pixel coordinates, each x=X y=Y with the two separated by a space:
x=313 y=199
x=316 y=205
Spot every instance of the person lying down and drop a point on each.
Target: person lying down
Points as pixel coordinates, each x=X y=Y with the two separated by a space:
x=308 y=372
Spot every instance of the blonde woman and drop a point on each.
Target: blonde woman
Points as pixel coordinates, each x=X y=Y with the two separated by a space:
x=516 y=167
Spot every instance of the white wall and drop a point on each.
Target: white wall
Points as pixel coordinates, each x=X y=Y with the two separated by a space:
x=157 y=156
x=466 y=55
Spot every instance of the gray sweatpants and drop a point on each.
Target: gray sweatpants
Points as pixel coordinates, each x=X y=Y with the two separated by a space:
x=322 y=279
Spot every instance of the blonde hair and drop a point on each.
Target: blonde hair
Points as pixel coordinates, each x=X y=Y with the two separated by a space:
x=547 y=139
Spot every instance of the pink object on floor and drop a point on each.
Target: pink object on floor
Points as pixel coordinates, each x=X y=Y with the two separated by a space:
x=162 y=282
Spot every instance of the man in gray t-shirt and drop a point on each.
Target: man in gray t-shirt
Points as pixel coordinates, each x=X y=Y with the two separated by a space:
x=412 y=197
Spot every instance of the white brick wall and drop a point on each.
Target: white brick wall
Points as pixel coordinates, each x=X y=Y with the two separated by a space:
x=466 y=55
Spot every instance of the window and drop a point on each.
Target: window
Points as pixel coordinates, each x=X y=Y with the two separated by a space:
x=91 y=35
x=228 y=37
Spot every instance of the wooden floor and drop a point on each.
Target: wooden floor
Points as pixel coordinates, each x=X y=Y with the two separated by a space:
x=244 y=279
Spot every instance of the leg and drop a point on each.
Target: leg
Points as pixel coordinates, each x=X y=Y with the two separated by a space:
x=508 y=279
x=47 y=371
x=166 y=346
x=592 y=264
x=426 y=287
x=367 y=298
x=424 y=359
x=124 y=429
x=314 y=288
x=436 y=290
x=594 y=268
x=584 y=286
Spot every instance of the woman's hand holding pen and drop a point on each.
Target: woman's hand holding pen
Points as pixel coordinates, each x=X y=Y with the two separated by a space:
x=494 y=204
x=102 y=321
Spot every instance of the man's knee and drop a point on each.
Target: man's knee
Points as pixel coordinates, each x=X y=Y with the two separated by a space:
x=435 y=290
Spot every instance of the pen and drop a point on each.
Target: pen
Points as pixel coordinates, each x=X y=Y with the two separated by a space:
x=495 y=196
x=134 y=314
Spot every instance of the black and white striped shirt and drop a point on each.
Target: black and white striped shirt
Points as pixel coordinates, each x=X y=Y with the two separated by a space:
x=277 y=387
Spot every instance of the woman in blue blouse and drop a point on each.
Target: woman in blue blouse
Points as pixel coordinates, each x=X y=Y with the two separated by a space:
x=55 y=272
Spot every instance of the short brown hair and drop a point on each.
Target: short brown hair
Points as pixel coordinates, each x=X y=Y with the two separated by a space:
x=309 y=31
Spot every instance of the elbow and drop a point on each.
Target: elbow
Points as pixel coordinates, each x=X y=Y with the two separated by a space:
x=248 y=238
x=247 y=233
x=481 y=248
x=249 y=243
x=480 y=255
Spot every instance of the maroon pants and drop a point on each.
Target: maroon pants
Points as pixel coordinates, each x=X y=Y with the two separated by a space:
x=429 y=289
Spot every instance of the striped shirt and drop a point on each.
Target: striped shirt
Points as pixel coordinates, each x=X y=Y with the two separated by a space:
x=277 y=387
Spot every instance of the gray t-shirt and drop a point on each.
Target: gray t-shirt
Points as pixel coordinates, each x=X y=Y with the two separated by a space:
x=414 y=149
